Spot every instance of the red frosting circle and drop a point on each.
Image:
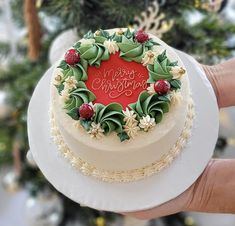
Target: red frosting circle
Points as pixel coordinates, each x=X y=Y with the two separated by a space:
x=117 y=80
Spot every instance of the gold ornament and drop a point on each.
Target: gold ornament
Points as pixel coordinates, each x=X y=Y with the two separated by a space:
x=152 y=21
x=209 y=5
x=231 y=142
x=189 y=221
x=100 y=221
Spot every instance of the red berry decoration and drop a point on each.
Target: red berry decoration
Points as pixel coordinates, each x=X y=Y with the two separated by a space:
x=141 y=36
x=86 y=111
x=72 y=57
x=162 y=87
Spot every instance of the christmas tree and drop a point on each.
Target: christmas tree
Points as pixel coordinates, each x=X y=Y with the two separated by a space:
x=197 y=27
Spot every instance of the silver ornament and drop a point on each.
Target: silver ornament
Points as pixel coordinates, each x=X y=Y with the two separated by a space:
x=10 y=182
x=44 y=209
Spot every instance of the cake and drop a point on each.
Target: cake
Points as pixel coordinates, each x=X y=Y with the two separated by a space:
x=121 y=107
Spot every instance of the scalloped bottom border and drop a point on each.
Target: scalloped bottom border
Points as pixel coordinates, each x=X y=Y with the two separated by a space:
x=127 y=175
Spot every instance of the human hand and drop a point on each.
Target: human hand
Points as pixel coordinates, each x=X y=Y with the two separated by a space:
x=214 y=189
x=212 y=192
x=222 y=79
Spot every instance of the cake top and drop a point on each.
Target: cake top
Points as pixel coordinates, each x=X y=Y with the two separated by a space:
x=117 y=81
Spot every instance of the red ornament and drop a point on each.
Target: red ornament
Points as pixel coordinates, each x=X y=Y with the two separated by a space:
x=72 y=57
x=86 y=111
x=162 y=87
x=141 y=36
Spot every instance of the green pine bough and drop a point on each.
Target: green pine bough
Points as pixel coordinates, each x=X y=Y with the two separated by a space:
x=110 y=118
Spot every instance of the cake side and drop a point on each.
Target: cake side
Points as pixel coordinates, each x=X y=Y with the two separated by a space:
x=109 y=153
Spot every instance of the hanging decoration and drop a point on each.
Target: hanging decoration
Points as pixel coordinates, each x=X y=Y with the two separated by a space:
x=152 y=21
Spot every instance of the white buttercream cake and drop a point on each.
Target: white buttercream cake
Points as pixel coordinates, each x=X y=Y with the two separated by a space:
x=121 y=108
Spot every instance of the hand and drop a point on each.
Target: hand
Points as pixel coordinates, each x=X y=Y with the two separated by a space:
x=222 y=78
x=214 y=189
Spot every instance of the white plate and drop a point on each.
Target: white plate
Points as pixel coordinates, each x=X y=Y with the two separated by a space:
x=139 y=195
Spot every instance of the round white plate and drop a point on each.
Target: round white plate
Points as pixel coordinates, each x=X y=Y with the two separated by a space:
x=139 y=195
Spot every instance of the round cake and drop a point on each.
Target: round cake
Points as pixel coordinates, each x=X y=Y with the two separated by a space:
x=121 y=108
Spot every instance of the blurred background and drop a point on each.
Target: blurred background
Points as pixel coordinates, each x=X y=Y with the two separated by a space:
x=33 y=36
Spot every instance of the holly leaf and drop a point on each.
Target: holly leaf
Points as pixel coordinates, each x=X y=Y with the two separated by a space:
x=63 y=65
x=151 y=43
x=60 y=88
x=86 y=124
x=162 y=56
x=175 y=63
x=77 y=45
x=104 y=33
x=128 y=33
x=175 y=84
x=123 y=136
x=73 y=114
x=88 y=35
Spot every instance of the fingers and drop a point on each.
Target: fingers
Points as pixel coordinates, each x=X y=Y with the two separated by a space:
x=222 y=78
x=214 y=190
x=173 y=206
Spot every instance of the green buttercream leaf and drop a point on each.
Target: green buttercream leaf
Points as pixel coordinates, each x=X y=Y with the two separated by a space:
x=150 y=105
x=150 y=43
x=160 y=69
x=63 y=65
x=88 y=51
x=110 y=117
x=153 y=42
x=172 y=64
x=117 y=38
x=123 y=136
x=94 y=53
x=86 y=124
x=77 y=71
x=84 y=64
x=79 y=96
x=77 y=45
x=128 y=34
x=130 y=50
x=175 y=84
x=100 y=39
x=104 y=33
x=73 y=113
x=60 y=88
x=89 y=35
x=162 y=56
x=165 y=98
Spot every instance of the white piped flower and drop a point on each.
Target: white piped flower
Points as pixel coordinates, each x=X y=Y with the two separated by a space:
x=131 y=129
x=58 y=76
x=111 y=46
x=151 y=89
x=129 y=116
x=148 y=58
x=119 y=31
x=96 y=131
x=176 y=97
x=77 y=124
x=70 y=83
x=65 y=95
x=89 y=41
x=177 y=72
x=147 y=123
x=93 y=105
